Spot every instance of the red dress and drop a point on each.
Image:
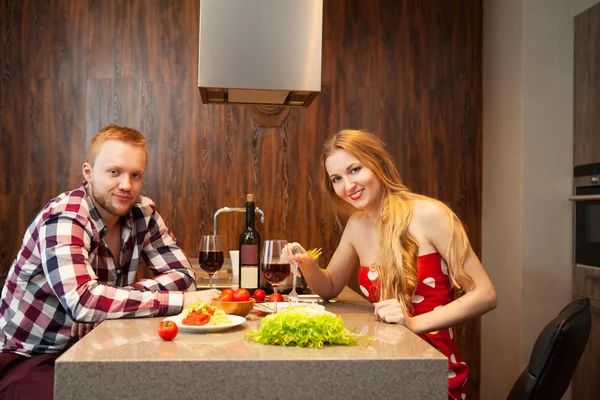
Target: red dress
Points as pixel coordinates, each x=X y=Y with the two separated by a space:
x=433 y=291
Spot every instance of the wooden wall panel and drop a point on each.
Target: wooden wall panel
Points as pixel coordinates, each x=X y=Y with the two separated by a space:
x=407 y=70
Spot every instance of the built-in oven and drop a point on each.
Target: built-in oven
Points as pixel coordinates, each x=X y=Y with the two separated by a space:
x=586 y=197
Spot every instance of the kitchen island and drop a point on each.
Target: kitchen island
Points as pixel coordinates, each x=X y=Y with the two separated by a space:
x=126 y=359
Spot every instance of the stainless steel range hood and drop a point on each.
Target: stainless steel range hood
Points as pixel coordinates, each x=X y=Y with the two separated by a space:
x=260 y=51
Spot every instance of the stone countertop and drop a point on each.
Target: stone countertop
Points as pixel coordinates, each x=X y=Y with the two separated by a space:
x=126 y=359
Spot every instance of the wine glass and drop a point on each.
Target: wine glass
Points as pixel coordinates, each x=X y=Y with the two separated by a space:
x=210 y=255
x=275 y=266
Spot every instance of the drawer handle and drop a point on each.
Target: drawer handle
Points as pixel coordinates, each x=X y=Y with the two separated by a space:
x=585 y=197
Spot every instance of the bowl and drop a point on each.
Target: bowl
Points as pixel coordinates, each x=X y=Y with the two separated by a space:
x=241 y=308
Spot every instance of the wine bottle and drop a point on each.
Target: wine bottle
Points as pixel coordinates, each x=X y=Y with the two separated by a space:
x=249 y=250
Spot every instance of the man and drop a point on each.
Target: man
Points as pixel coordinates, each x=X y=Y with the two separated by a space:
x=77 y=266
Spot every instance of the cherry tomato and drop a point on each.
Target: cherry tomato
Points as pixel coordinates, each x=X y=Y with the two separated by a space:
x=226 y=296
x=167 y=330
x=259 y=295
x=241 y=294
x=272 y=298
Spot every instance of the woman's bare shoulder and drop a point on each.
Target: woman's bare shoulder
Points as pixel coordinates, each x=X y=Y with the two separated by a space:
x=427 y=210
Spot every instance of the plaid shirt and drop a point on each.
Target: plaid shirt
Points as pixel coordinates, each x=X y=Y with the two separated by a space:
x=65 y=272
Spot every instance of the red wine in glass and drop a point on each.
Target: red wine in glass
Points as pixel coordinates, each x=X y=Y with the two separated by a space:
x=210 y=255
x=211 y=261
x=275 y=266
x=275 y=272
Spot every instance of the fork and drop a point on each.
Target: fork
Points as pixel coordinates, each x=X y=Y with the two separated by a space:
x=293 y=296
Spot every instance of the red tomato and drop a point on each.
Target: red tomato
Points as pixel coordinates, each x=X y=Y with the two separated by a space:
x=272 y=297
x=226 y=296
x=241 y=294
x=167 y=330
x=228 y=290
x=259 y=295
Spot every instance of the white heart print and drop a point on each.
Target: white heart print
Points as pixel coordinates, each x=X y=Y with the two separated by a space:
x=452 y=358
x=417 y=299
x=429 y=282
x=451 y=374
x=444 y=267
x=373 y=274
x=451 y=333
x=364 y=291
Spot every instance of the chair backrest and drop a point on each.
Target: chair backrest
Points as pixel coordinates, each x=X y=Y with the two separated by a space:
x=555 y=354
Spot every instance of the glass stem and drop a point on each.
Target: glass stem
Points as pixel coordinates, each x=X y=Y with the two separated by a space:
x=275 y=290
x=211 y=278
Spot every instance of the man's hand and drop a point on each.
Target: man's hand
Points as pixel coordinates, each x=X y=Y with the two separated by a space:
x=190 y=298
x=80 y=329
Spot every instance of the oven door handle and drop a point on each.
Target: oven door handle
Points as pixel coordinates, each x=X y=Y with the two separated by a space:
x=585 y=197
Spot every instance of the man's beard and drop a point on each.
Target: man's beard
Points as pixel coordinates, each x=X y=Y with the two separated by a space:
x=102 y=201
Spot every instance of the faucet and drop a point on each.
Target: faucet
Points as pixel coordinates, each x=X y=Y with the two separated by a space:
x=236 y=209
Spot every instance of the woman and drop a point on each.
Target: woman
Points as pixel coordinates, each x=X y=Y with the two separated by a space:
x=412 y=250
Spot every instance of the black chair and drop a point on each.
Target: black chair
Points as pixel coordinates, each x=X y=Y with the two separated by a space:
x=555 y=354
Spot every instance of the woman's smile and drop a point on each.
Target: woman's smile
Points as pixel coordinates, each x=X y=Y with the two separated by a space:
x=357 y=195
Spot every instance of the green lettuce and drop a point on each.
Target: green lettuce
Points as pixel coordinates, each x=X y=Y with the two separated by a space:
x=297 y=326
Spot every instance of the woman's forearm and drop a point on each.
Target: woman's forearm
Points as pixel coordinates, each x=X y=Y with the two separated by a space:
x=318 y=279
x=469 y=306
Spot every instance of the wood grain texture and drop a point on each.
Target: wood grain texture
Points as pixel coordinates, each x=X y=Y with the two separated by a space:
x=586 y=282
x=586 y=150
x=586 y=128
x=585 y=384
x=407 y=70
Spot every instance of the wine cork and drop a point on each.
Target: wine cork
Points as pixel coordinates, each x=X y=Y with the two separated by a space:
x=249 y=197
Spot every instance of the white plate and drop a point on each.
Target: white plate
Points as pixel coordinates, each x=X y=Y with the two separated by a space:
x=268 y=307
x=236 y=320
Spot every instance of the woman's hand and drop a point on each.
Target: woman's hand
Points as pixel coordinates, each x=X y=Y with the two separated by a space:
x=391 y=311
x=301 y=253
x=300 y=256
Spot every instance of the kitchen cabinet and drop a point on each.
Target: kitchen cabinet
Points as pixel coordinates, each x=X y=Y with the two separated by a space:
x=586 y=150
x=586 y=124
x=585 y=384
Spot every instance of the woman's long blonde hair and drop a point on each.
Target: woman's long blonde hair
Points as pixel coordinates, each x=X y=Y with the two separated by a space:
x=398 y=250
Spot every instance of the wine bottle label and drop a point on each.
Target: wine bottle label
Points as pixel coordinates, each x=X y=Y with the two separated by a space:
x=249 y=277
x=249 y=254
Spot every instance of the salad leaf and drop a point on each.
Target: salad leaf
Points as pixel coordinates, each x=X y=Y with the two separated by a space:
x=302 y=327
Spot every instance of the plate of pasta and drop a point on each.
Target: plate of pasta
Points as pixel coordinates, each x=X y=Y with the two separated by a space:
x=202 y=317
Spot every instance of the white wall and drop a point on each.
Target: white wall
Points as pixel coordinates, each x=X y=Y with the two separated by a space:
x=527 y=176
x=502 y=191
